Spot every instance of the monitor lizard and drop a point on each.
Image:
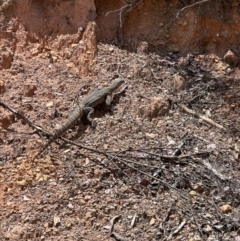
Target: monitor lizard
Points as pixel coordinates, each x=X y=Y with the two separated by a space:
x=86 y=105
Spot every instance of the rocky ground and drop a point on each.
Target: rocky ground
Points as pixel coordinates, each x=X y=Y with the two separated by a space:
x=163 y=163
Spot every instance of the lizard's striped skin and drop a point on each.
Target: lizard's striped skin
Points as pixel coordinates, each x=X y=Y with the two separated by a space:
x=86 y=105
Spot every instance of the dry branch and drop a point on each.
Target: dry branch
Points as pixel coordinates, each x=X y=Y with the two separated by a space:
x=183 y=9
x=19 y=114
x=216 y=172
x=207 y=120
x=122 y=16
x=181 y=225
x=189 y=6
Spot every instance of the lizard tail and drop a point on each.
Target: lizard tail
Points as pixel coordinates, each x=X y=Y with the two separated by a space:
x=71 y=122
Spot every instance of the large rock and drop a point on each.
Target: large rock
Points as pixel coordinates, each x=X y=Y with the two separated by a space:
x=177 y=82
x=156 y=106
x=231 y=58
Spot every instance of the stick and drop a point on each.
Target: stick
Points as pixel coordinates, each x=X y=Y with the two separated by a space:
x=183 y=9
x=216 y=172
x=177 y=229
x=20 y=115
x=209 y=121
x=180 y=146
x=189 y=6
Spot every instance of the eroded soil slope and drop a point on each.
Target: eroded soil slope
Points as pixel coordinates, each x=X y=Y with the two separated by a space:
x=177 y=26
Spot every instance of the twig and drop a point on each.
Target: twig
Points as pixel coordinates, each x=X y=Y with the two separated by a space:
x=154 y=76
x=20 y=115
x=209 y=121
x=189 y=6
x=121 y=160
x=177 y=157
x=133 y=221
x=177 y=151
x=113 y=221
x=166 y=217
x=125 y=162
x=177 y=229
x=122 y=16
x=111 y=160
x=141 y=164
x=183 y=9
x=217 y=173
x=121 y=9
x=200 y=138
x=216 y=208
x=198 y=226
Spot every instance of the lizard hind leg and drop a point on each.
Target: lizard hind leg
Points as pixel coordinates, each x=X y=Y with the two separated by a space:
x=90 y=111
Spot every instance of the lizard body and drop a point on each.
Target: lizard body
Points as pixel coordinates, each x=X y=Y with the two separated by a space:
x=86 y=105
